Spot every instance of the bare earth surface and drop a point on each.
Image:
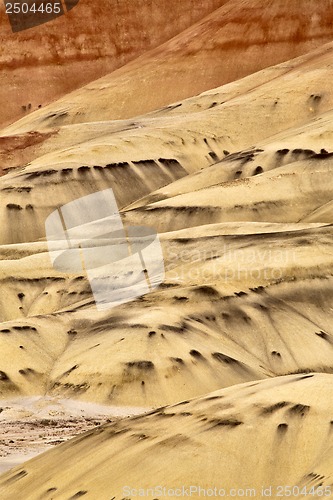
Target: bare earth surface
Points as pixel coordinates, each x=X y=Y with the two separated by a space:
x=32 y=425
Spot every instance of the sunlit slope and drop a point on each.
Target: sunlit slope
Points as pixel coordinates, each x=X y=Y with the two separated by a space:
x=239 y=38
x=138 y=159
x=198 y=442
x=261 y=100
x=240 y=302
x=90 y=41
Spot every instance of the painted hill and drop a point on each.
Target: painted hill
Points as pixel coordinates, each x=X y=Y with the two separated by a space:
x=239 y=38
x=93 y=39
x=247 y=244
x=136 y=158
x=231 y=356
x=285 y=423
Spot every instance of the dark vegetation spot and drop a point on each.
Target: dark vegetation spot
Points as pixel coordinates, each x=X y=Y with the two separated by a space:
x=121 y=164
x=323 y=156
x=5 y=330
x=262 y=307
x=72 y=333
x=142 y=382
x=227 y=422
x=181 y=403
x=152 y=333
x=195 y=354
x=213 y=156
x=282 y=151
x=13 y=206
x=144 y=163
x=66 y=171
x=316 y=97
x=227 y=153
x=173 y=106
x=163 y=414
x=213 y=105
x=273 y=408
x=299 y=409
x=51 y=489
x=305 y=376
x=169 y=162
x=213 y=398
x=240 y=294
x=79 y=494
x=98 y=167
x=21 y=347
x=42 y=173
x=180 y=299
x=257 y=289
x=84 y=168
x=177 y=360
x=70 y=370
x=141 y=365
x=245 y=156
x=223 y=358
x=258 y=170
x=4 y=377
x=18 y=475
x=181 y=240
x=27 y=371
x=308 y=152
x=173 y=328
x=276 y=353
x=209 y=291
x=322 y=335
x=282 y=427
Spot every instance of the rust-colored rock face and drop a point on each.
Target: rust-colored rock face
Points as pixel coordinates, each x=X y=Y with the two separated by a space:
x=237 y=39
x=43 y=63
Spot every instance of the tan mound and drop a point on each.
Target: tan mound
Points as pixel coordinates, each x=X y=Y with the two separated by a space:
x=288 y=194
x=230 y=310
x=241 y=37
x=150 y=154
x=209 y=122
x=264 y=434
x=90 y=41
x=246 y=239
x=283 y=149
